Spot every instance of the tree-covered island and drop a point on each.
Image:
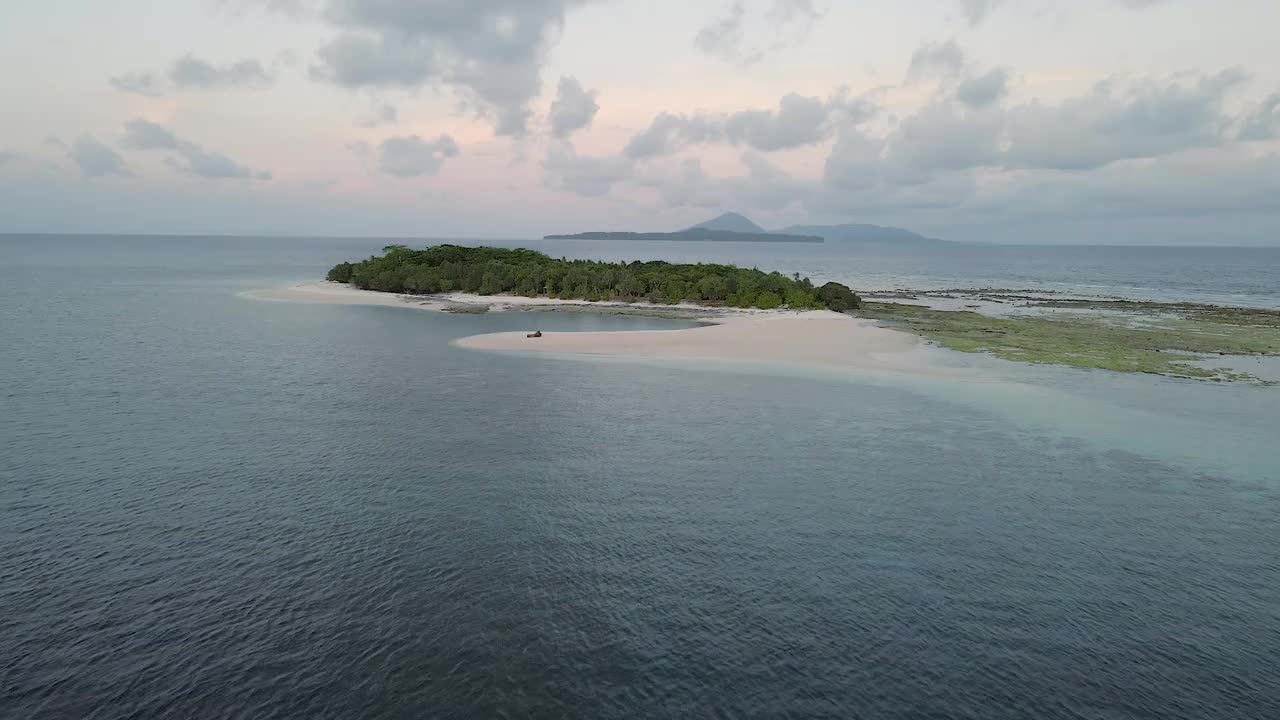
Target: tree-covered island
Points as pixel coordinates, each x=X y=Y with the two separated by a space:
x=494 y=271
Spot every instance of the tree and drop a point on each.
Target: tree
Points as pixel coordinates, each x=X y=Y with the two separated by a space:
x=798 y=299
x=713 y=288
x=490 y=270
x=768 y=300
x=340 y=273
x=838 y=297
x=388 y=281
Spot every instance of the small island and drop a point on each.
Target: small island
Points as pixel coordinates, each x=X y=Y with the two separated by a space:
x=752 y=315
x=528 y=273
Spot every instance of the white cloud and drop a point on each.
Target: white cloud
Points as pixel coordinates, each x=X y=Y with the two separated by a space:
x=1263 y=122
x=975 y=11
x=796 y=122
x=187 y=157
x=1118 y=121
x=785 y=23
x=489 y=51
x=411 y=156
x=944 y=59
x=574 y=108
x=96 y=159
x=722 y=37
x=565 y=169
x=984 y=90
x=383 y=114
x=144 y=84
x=192 y=73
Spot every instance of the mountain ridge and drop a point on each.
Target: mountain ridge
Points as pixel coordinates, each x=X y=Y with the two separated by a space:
x=730 y=222
x=861 y=232
x=845 y=232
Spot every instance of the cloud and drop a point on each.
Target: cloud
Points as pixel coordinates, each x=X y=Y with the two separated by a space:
x=411 y=156
x=866 y=174
x=188 y=158
x=1263 y=123
x=1154 y=148
x=1124 y=148
x=565 y=169
x=574 y=108
x=384 y=114
x=788 y=11
x=764 y=187
x=212 y=165
x=138 y=84
x=942 y=136
x=142 y=134
x=722 y=37
x=299 y=9
x=358 y=60
x=490 y=51
x=96 y=159
x=936 y=60
x=1200 y=182
x=7 y=157
x=948 y=63
x=855 y=162
x=787 y=22
x=975 y=11
x=669 y=132
x=1116 y=122
x=984 y=90
x=190 y=71
x=796 y=122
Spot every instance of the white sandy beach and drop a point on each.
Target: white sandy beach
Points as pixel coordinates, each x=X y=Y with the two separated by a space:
x=820 y=338
x=815 y=338
x=332 y=293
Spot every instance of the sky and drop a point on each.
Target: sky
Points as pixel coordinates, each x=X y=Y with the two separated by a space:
x=1009 y=121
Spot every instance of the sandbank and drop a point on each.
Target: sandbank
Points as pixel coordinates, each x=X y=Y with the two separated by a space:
x=332 y=293
x=818 y=338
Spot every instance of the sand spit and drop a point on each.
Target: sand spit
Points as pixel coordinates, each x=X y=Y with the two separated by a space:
x=814 y=338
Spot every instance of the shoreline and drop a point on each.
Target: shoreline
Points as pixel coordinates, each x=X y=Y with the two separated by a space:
x=331 y=293
x=1187 y=341
x=814 y=338
x=819 y=339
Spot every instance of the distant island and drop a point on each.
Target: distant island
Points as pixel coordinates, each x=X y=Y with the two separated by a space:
x=731 y=222
x=692 y=235
x=494 y=271
x=735 y=227
x=855 y=233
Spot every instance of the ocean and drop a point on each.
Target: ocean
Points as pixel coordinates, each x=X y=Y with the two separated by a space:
x=216 y=506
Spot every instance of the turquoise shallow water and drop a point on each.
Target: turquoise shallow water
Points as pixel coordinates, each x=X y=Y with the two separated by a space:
x=212 y=506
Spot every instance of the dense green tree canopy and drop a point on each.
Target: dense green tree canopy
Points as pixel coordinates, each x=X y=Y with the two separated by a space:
x=490 y=271
x=838 y=297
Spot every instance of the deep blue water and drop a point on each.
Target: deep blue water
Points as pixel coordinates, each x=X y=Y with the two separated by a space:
x=214 y=506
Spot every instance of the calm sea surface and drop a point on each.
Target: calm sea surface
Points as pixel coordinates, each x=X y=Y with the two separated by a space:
x=213 y=506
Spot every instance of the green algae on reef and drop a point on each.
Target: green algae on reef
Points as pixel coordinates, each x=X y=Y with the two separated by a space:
x=1160 y=338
